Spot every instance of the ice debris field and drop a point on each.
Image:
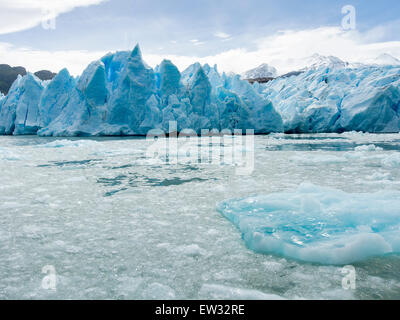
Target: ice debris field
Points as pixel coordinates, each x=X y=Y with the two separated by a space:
x=116 y=224
x=120 y=95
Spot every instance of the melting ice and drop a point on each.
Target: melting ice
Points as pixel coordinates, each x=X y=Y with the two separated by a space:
x=116 y=224
x=319 y=224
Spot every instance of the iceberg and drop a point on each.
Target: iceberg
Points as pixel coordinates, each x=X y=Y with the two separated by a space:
x=318 y=224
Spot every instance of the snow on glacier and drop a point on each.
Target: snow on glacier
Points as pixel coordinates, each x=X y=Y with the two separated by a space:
x=317 y=61
x=319 y=224
x=262 y=71
x=385 y=59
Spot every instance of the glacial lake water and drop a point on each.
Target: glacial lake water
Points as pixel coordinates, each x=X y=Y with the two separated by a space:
x=115 y=223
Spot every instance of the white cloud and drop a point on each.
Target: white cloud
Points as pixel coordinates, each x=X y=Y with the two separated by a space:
x=18 y=15
x=286 y=49
x=282 y=50
x=34 y=60
x=197 y=42
x=222 y=35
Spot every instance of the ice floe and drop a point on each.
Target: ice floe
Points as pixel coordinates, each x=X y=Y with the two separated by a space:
x=319 y=224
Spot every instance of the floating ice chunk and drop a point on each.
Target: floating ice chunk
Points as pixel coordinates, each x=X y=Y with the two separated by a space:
x=128 y=287
x=192 y=250
x=7 y=154
x=158 y=291
x=370 y=147
x=319 y=224
x=392 y=160
x=221 y=292
x=273 y=266
x=311 y=160
x=379 y=176
x=68 y=143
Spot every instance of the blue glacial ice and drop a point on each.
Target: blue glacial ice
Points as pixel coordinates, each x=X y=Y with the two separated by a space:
x=338 y=99
x=19 y=113
x=319 y=224
x=121 y=95
x=55 y=97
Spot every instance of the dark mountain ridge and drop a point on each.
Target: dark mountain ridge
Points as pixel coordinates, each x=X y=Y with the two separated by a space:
x=9 y=74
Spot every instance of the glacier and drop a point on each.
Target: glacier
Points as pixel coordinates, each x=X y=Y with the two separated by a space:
x=19 y=112
x=318 y=224
x=121 y=95
x=365 y=99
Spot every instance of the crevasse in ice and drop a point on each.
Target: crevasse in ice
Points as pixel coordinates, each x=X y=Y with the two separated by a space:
x=121 y=95
x=318 y=224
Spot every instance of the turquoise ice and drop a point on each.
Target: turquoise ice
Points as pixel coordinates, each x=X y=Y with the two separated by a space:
x=19 y=112
x=338 y=99
x=319 y=224
x=121 y=95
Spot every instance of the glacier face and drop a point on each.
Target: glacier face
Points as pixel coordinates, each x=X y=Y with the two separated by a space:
x=338 y=99
x=120 y=95
x=19 y=109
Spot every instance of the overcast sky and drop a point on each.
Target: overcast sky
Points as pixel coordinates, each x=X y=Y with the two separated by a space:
x=237 y=35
